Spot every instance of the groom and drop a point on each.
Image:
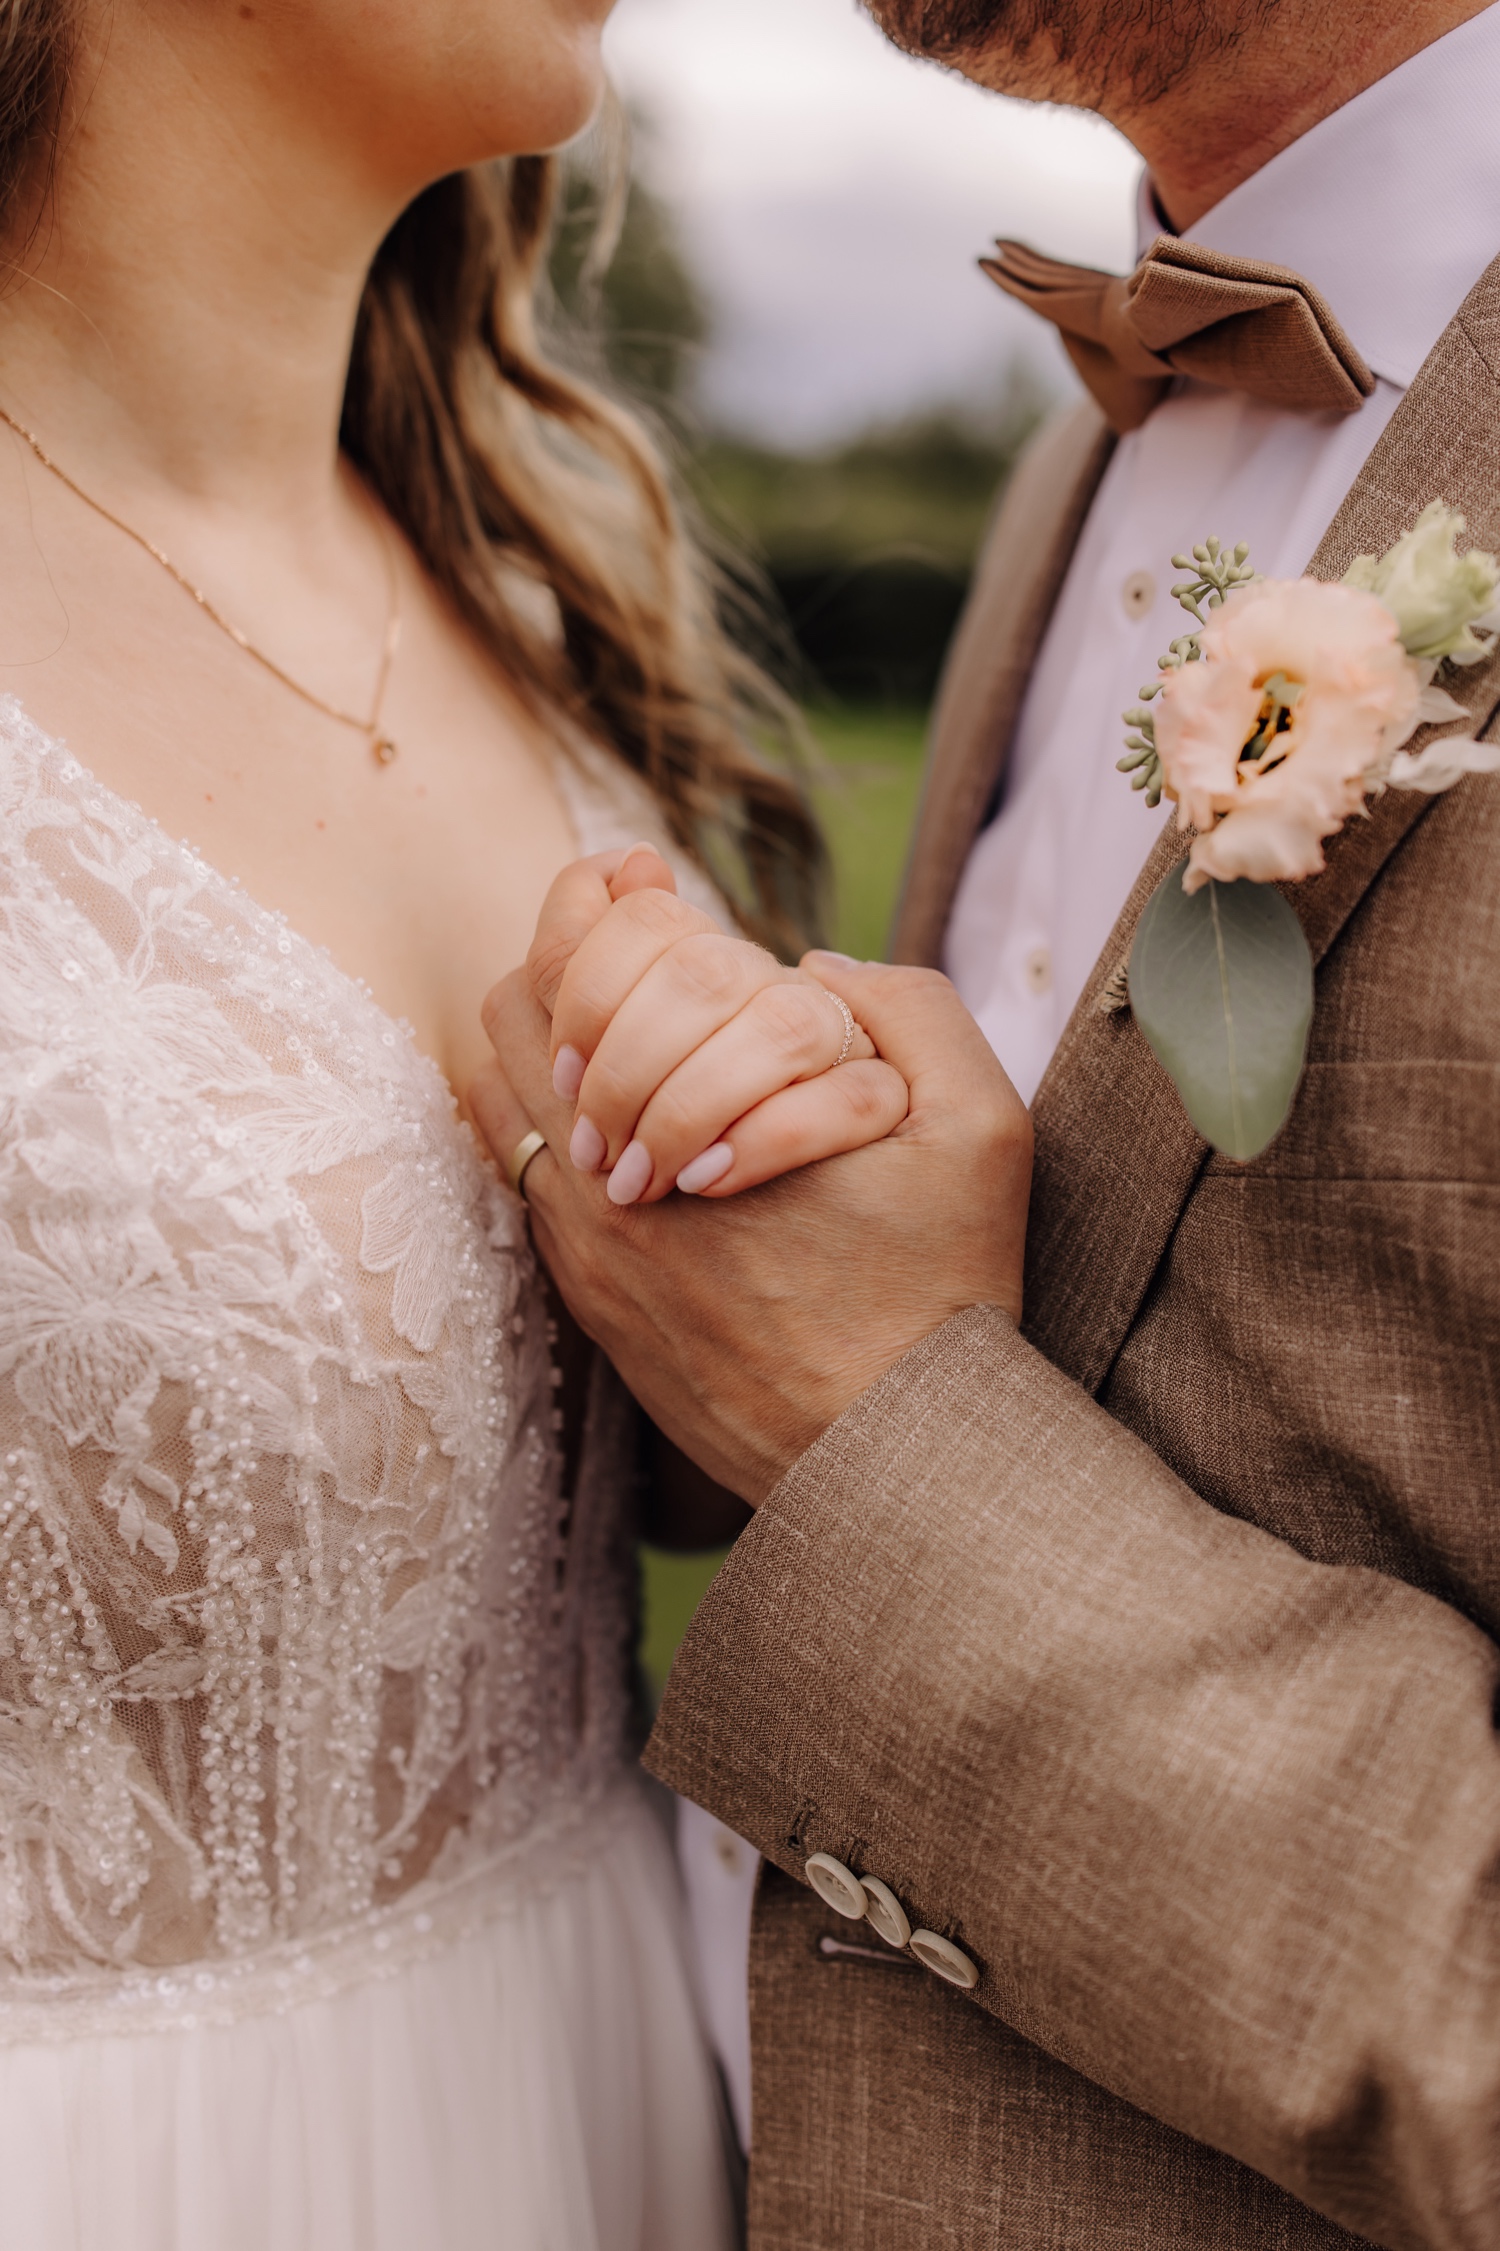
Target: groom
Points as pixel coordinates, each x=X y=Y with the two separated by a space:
x=1137 y=1666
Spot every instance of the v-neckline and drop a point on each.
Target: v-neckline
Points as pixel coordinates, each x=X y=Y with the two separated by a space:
x=53 y=750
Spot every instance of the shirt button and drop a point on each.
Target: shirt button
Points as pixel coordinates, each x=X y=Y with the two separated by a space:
x=885 y=1913
x=945 y=1959
x=1138 y=593
x=1037 y=971
x=837 y=1886
x=727 y=1851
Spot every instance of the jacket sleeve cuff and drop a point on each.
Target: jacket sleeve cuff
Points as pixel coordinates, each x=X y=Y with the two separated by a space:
x=737 y=1731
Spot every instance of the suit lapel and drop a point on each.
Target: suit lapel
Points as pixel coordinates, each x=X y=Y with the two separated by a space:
x=1021 y=572
x=1116 y=1155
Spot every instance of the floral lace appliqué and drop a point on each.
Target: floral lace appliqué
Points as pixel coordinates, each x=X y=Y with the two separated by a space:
x=291 y=1614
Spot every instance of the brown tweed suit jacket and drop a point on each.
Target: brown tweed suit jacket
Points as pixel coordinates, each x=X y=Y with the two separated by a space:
x=1150 y=1653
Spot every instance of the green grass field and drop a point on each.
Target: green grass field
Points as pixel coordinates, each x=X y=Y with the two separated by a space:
x=866 y=792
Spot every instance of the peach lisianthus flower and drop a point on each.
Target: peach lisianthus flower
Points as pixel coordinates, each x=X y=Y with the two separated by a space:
x=1267 y=745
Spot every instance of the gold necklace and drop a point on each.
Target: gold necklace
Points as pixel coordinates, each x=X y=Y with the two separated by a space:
x=380 y=744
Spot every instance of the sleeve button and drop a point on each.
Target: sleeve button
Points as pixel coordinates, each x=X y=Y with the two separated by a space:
x=837 y=1886
x=944 y=1959
x=884 y=1913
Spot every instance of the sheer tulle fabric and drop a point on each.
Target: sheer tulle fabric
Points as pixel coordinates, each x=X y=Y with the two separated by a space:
x=538 y=2086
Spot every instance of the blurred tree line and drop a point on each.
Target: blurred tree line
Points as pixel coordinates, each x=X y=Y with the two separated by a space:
x=866 y=547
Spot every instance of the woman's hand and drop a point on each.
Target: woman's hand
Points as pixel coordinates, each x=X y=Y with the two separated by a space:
x=695 y=1059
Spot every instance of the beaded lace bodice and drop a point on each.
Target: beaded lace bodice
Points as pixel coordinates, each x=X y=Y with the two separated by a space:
x=293 y=1611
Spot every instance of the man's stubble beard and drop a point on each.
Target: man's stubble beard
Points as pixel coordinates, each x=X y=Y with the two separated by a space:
x=1107 y=55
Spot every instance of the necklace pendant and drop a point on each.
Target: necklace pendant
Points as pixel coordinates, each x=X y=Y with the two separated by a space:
x=384 y=749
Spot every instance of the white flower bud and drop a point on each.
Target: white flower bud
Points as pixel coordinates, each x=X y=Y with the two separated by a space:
x=1437 y=597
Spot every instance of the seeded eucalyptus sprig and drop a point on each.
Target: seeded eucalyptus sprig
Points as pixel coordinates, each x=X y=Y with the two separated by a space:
x=1214 y=572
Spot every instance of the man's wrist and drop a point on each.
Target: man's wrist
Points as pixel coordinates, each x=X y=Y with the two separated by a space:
x=771 y=1452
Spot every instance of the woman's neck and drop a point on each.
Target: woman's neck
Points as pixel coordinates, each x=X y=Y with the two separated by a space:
x=179 y=325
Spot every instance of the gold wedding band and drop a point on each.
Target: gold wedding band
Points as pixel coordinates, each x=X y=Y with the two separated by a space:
x=529 y=1146
x=849 y=1028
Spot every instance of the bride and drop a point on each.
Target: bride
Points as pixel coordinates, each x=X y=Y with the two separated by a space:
x=331 y=1913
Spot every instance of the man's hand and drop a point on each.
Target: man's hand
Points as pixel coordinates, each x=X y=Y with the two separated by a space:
x=746 y=1327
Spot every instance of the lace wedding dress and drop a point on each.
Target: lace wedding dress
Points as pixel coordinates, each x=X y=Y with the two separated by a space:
x=332 y=1916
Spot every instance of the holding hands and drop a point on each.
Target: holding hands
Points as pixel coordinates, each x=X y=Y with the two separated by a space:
x=694 y=1059
x=639 y=1041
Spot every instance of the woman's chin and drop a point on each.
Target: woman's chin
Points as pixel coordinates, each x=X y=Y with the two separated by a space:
x=557 y=105
x=518 y=82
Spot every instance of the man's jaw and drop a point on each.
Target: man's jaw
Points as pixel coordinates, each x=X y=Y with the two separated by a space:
x=945 y=31
x=1079 y=53
x=1207 y=90
x=1034 y=50
x=1007 y=47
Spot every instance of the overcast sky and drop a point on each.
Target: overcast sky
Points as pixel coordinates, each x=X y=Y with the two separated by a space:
x=834 y=197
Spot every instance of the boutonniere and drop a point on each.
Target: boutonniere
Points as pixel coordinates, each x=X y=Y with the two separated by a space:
x=1268 y=726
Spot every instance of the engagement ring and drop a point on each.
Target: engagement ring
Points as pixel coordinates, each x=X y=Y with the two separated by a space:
x=848 y=1015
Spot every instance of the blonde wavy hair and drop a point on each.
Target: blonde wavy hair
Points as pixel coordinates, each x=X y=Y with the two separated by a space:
x=539 y=504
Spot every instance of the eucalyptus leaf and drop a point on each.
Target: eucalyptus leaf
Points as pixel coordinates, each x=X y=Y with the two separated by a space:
x=1221 y=983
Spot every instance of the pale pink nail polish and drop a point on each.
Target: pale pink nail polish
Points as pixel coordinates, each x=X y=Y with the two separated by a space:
x=631 y=1176
x=587 y=1146
x=567 y=1074
x=705 y=1170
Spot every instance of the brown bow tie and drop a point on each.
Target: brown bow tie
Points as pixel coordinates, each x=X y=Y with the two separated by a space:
x=1190 y=311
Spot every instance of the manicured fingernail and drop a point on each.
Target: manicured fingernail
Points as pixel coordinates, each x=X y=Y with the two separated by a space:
x=567 y=1074
x=587 y=1146
x=633 y=854
x=631 y=1176
x=826 y=953
x=705 y=1170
